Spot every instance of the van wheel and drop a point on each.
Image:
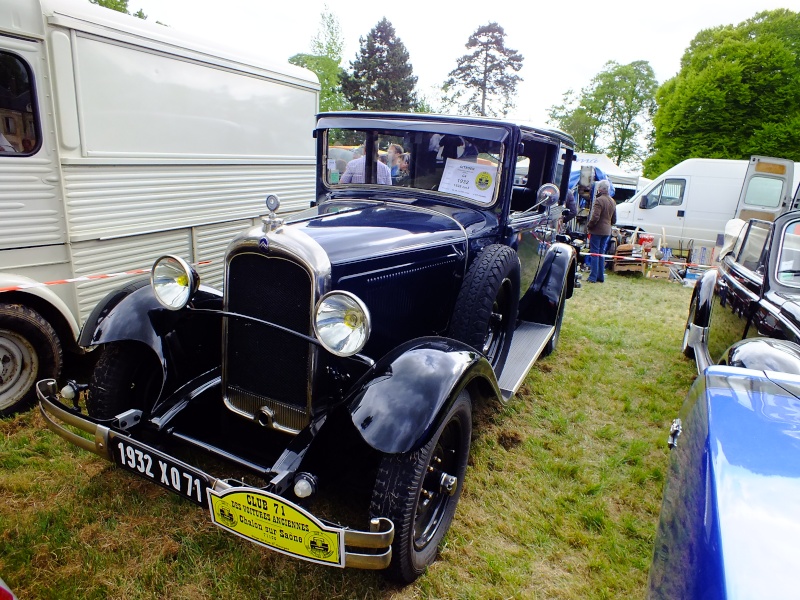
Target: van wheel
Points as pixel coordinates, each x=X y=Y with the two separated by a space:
x=419 y=491
x=127 y=376
x=29 y=351
x=485 y=313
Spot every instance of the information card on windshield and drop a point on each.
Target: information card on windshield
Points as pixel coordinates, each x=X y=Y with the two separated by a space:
x=469 y=179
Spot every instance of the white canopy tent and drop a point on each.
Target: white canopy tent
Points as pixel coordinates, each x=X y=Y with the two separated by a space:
x=615 y=174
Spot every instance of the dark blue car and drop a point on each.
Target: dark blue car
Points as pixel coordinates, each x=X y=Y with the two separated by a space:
x=350 y=344
x=730 y=520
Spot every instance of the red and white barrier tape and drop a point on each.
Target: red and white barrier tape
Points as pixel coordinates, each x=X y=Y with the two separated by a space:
x=649 y=260
x=37 y=284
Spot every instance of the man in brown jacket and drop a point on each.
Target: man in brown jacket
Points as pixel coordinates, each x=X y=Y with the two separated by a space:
x=602 y=216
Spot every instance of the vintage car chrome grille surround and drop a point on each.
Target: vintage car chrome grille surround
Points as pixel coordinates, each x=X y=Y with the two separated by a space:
x=268 y=374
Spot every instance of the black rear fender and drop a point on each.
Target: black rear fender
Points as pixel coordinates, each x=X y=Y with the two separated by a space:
x=557 y=273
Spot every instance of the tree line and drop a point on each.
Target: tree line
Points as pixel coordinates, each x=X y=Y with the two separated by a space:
x=734 y=95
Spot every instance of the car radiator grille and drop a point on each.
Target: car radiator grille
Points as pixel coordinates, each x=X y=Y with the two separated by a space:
x=265 y=367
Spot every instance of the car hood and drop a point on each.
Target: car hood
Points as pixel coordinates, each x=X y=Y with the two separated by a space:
x=351 y=232
x=754 y=442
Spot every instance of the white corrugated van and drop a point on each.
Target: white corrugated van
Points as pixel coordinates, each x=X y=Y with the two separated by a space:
x=122 y=140
x=693 y=200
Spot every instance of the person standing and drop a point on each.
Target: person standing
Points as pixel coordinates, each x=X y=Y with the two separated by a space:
x=602 y=216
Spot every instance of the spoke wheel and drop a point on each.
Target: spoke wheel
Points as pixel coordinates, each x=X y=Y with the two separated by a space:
x=419 y=491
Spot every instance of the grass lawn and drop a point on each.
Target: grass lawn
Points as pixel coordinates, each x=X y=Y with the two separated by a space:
x=561 y=497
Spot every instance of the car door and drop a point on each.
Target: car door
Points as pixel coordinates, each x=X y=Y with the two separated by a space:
x=738 y=290
x=767 y=189
x=664 y=205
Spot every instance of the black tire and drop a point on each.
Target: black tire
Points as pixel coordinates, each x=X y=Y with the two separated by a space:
x=687 y=350
x=485 y=312
x=408 y=491
x=552 y=343
x=29 y=351
x=127 y=376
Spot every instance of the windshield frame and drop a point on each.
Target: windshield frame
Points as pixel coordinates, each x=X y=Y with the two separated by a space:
x=484 y=169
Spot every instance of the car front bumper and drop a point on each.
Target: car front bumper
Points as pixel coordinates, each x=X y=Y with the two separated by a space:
x=255 y=514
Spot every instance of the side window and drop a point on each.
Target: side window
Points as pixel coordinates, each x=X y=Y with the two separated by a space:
x=18 y=118
x=672 y=193
x=764 y=191
x=650 y=199
x=753 y=246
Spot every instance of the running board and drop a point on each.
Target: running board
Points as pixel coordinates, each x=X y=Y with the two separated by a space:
x=527 y=344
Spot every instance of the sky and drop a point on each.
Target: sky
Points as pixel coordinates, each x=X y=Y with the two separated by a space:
x=564 y=43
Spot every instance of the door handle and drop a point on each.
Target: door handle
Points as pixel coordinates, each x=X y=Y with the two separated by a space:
x=680 y=213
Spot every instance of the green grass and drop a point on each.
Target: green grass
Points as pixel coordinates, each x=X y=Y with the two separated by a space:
x=561 y=498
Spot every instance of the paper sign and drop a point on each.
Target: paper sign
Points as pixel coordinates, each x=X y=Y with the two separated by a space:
x=470 y=180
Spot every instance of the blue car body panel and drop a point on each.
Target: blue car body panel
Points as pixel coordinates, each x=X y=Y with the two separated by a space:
x=730 y=525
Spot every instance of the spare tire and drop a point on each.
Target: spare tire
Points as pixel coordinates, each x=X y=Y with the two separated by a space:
x=485 y=313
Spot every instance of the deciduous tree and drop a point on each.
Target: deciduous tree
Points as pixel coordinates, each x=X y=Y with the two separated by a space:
x=735 y=94
x=485 y=80
x=616 y=107
x=381 y=76
x=119 y=6
x=325 y=60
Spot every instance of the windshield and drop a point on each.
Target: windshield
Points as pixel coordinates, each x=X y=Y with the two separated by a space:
x=462 y=166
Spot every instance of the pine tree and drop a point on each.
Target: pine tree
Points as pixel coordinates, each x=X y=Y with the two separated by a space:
x=487 y=76
x=381 y=77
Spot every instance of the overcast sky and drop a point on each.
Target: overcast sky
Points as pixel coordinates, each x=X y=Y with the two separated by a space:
x=565 y=43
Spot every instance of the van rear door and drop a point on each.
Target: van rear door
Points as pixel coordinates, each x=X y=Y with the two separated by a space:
x=767 y=189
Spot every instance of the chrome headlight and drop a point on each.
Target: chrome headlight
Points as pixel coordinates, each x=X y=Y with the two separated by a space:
x=174 y=282
x=342 y=323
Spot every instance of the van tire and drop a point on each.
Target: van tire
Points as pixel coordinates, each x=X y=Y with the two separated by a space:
x=29 y=351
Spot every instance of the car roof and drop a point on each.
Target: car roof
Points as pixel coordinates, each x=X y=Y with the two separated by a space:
x=390 y=117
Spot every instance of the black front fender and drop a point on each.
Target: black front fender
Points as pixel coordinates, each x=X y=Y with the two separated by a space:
x=183 y=349
x=400 y=401
x=540 y=304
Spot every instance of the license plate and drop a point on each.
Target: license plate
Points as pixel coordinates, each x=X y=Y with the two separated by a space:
x=273 y=522
x=161 y=469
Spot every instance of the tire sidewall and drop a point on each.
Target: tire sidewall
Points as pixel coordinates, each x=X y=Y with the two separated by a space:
x=42 y=339
x=470 y=321
x=461 y=409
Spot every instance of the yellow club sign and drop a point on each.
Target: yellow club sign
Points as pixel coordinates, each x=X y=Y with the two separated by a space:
x=271 y=521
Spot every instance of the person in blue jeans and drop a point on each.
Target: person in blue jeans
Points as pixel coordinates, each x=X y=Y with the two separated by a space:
x=602 y=216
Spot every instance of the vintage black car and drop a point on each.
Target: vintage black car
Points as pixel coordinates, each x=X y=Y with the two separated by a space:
x=754 y=293
x=351 y=341
x=729 y=521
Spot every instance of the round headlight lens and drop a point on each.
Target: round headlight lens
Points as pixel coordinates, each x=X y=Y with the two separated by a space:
x=342 y=323
x=174 y=282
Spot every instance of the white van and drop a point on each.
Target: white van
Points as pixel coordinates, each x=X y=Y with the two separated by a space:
x=122 y=140
x=693 y=200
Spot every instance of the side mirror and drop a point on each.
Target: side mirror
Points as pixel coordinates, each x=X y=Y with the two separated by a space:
x=547 y=195
x=643 y=201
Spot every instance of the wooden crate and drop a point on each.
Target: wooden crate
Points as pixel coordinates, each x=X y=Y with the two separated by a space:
x=658 y=272
x=628 y=266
